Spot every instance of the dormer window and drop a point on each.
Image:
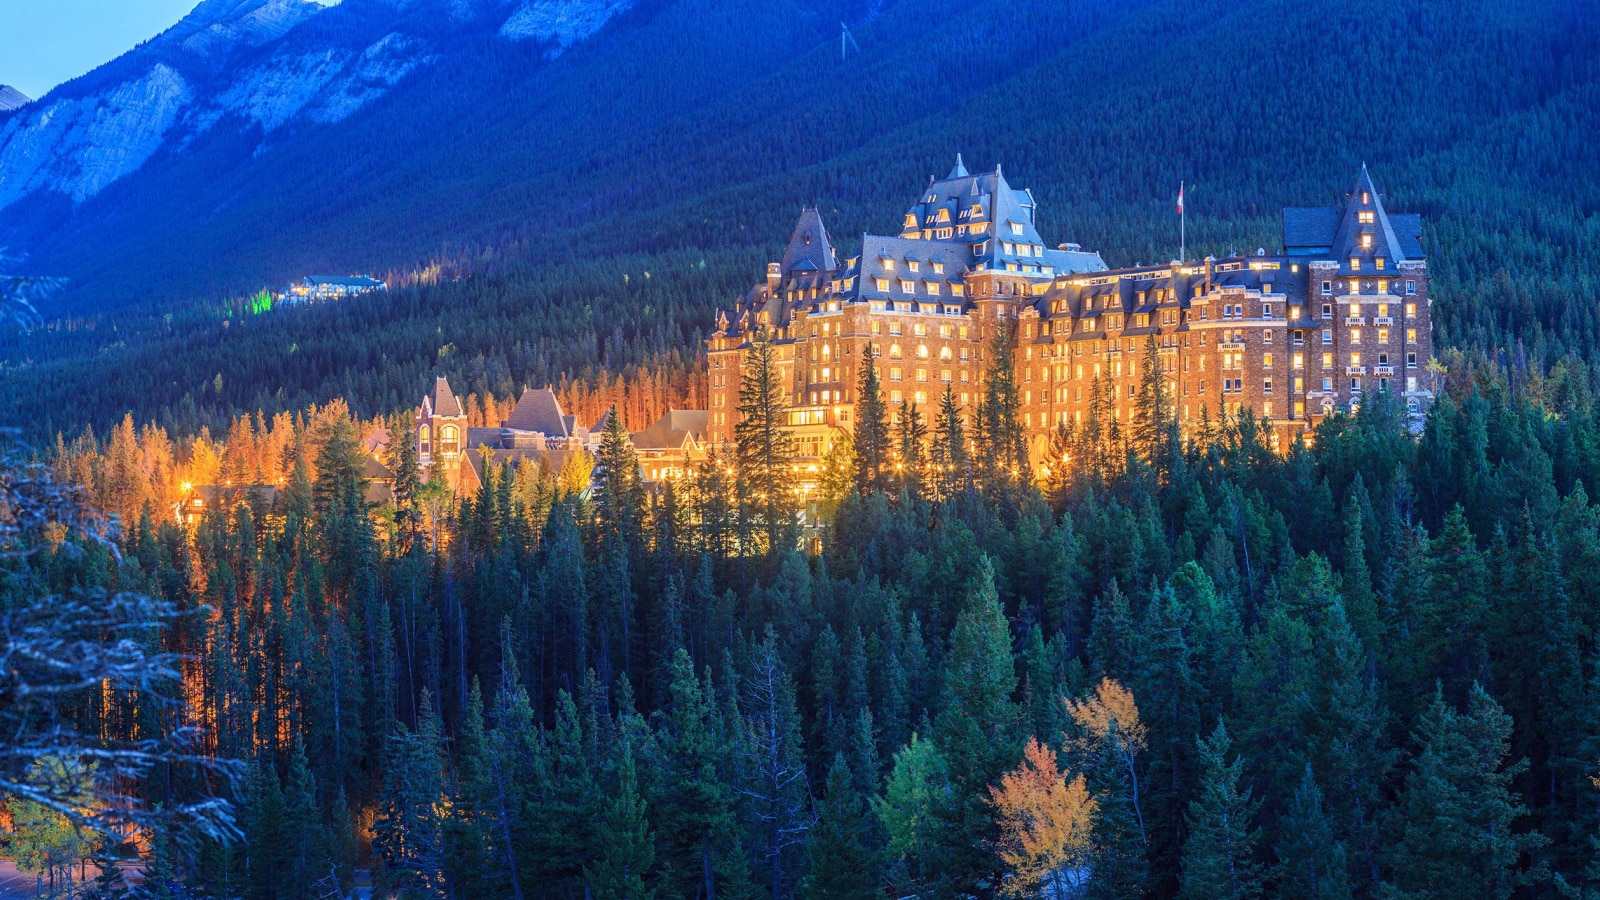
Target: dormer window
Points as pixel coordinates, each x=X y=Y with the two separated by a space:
x=888 y=265
x=938 y=268
x=907 y=285
x=883 y=283
x=1355 y=263
x=912 y=264
x=1016 y=227
x=1378 y=263
x=1366 y=241
x=911 y=220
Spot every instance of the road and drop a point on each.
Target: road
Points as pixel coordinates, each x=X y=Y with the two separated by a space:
x=13 y=884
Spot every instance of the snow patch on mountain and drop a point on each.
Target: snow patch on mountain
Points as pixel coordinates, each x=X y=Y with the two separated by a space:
x=78 y=146
x=564 y=22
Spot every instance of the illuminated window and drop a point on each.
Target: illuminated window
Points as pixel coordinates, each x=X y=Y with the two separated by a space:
x=882 y=283
x=1366 y=242
x=1266 y=359
x=1355 y=309
x=425 y=438
x=894 y=351
x=911 y=265
x=1379 y=263
x=907 y=286
x=1365 y=217
x=1411 y=309
x=1383 y=335
x=1299 y=360
x=1327 y=360
x=1411 y=335
x=894 y=327
x=1016 y=227
x=1355 y=264
x=1355 y=359
x=888 y=265
x=449 y=440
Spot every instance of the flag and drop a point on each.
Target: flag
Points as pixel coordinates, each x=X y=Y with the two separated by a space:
x=1180 y=198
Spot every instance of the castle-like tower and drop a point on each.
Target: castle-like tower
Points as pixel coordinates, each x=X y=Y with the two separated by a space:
x=1341 y=312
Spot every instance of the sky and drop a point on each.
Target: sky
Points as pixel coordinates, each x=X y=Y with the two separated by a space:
x=46 y=42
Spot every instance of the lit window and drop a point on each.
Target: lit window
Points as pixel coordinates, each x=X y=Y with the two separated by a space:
x=1355 y=264
x=1411 y=335
x=907 y=285
x=1016 y=227
x=1365 y=217
x=1327 y=360
x=1383 y=335
x=1366 y=242
x=883 y=283
x=1355 y=309
x=1355 y=359
x=1266 y=360
x=911 y=265
x=1411 y=309
x=894 y=351
x=1299 y=360
x=1379 y=263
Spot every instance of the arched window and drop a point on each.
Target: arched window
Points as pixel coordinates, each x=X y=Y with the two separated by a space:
x=425 y=440
x=449 y=440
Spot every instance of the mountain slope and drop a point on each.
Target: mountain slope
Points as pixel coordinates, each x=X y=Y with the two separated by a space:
x=11 y=98
x=688 y=132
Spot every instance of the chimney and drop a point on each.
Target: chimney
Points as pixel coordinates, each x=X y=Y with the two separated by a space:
x=773 y=275
x=1211 y=262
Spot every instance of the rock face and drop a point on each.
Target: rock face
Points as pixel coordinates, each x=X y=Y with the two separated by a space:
x=243 y=67
x=11 y=98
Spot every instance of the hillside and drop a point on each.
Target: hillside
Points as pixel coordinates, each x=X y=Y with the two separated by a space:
x=694 y=130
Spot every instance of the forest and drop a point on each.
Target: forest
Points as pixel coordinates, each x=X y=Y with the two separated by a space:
x=1180 y=666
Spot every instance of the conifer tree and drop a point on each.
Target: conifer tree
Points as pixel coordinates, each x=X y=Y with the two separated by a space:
x=916 y=793
x=1002 y=454
x=1456 y=832
x=408 y=832
x=625 y=846
x=871 y=436
x=977 y=731
x=407 y=479
x=1311 y=858
x=842 y=867
x=1153 y=418
x=1219 y=856
x=913 y=434
x=951 y=468
x=618 y=492
x=765 y=446
x=774 y=776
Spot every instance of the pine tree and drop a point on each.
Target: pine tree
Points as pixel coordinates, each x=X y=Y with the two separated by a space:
x=1219 y=856
x=842 y=868
x=408 y=832
x=1311 y=858
x=914 y=796
x=307 y=845
x=977 y=731
x=692 y=801
x=774 y=785
x=913 y=435
x=1457 y=817
x=1002 y=454
x=871 y=435
x=765 y=447
x=951 y=468
x=407 y=479
x=618 y=492
x=625 y=846
x=1153 y=415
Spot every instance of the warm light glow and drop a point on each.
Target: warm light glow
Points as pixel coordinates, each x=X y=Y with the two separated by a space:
x=187 y=486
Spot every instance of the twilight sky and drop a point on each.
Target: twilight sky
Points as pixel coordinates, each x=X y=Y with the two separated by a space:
x=46 y=42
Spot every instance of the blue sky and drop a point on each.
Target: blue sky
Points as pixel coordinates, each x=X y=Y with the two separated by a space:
x=46 y=42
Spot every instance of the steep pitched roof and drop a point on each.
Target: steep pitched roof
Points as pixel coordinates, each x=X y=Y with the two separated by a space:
x=444 y=399
x=960 y=170
x=809 y=248
x=1385 y=244
x=1309 y=228
x=538 y=411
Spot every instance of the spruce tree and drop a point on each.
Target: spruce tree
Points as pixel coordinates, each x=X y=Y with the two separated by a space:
x=1002 y=453
x=913 y=434
x=765 y=446
x=1311 y=858
x=951 y=468
x=873 y=466
x=625 y=846
x=1219 y=857
x=1457 y=818
x=842 y=867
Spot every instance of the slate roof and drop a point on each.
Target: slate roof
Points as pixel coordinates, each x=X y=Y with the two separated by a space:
x=1336 y=233
x=671 y=430
x=444 y=399
x=538 y=410
x=809 y=249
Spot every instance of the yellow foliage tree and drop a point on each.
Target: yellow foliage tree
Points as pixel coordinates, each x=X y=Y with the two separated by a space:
x=1046 y=822
x=1110 y=715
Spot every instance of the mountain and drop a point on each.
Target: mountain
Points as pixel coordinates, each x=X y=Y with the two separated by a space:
x=11 y=98
x=546 y=152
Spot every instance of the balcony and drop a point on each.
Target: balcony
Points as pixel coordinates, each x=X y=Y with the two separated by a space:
x=1383 y=370
x=1355 y=320
x=1355 y=370
x=1383 y=320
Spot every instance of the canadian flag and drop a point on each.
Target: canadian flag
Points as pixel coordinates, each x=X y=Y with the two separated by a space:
x=1180 y=198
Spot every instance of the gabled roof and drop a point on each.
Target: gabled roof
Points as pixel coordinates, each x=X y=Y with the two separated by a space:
x=601 y=423
x=444 y=399
x=1347 y=241
x=671 y=430
x=1337 y=232
x=809 y=248
x=538 y=411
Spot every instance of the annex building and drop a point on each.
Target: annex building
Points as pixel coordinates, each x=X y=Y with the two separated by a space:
x=1341 y=312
